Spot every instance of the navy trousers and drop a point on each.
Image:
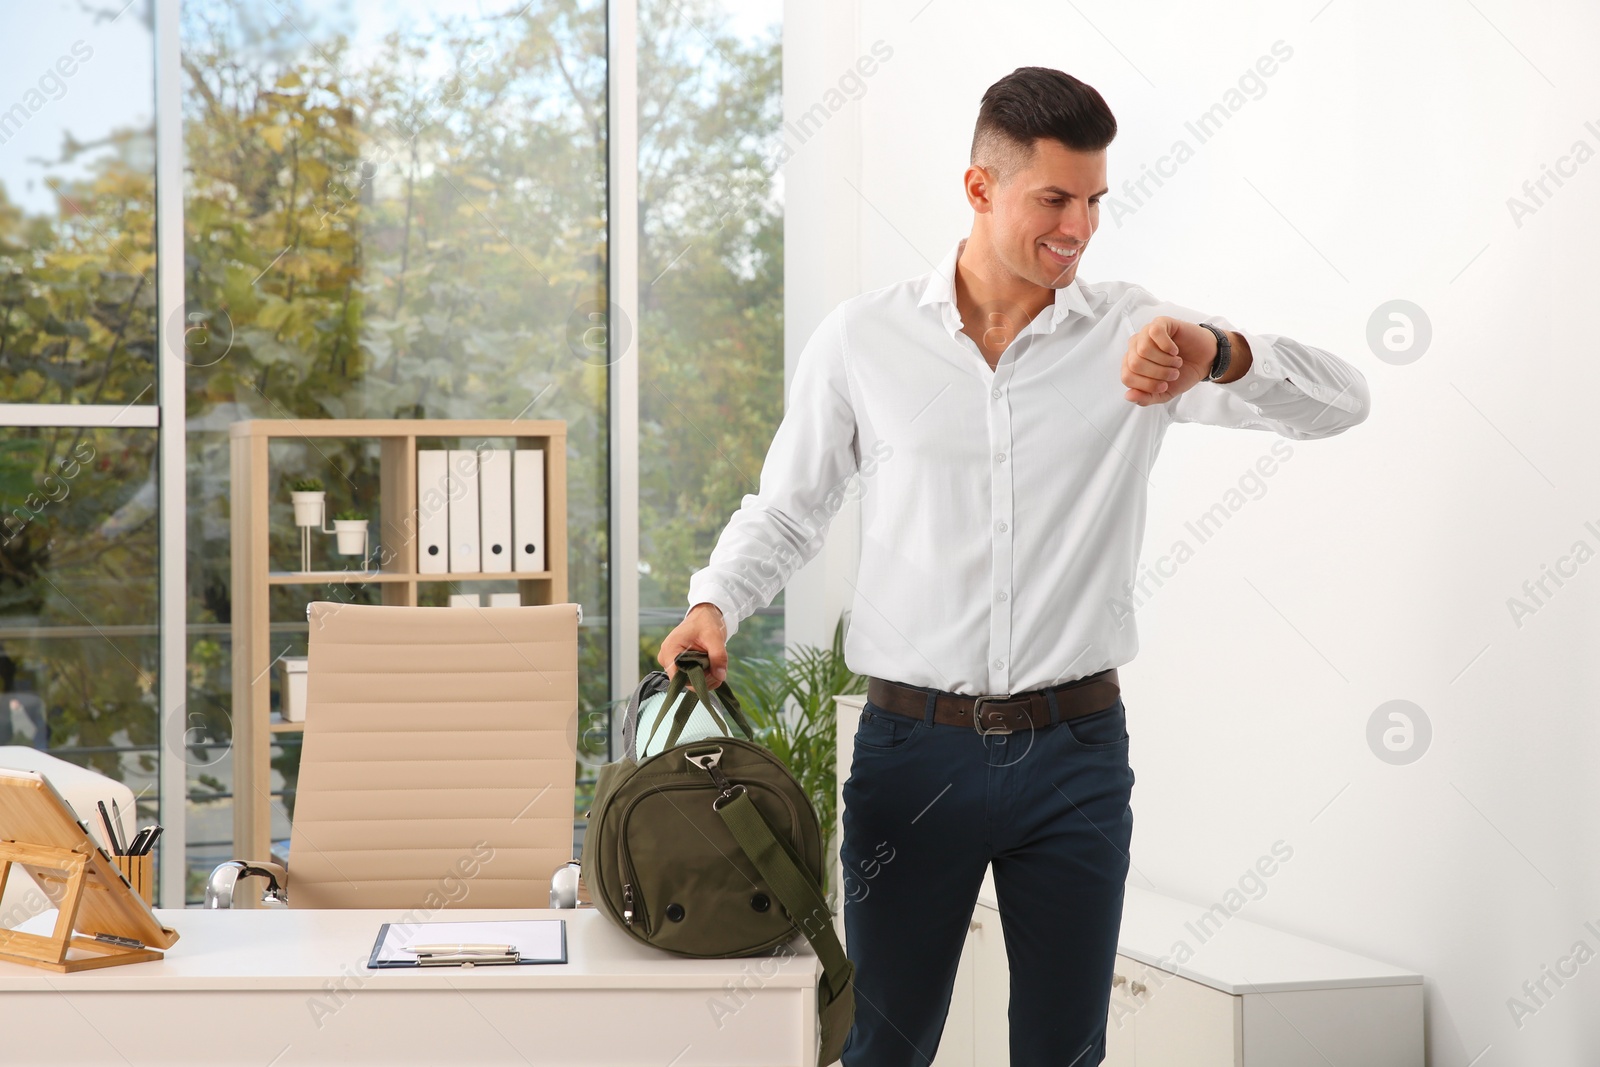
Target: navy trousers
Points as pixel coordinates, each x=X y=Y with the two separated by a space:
x=927 y=807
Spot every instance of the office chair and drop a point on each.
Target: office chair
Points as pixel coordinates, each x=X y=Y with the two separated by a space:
x=437 y=767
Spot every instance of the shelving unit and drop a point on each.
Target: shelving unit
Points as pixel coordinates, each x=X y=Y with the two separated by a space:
x=396 y=576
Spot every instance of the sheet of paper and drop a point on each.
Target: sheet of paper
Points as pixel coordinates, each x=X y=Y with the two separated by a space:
x=538 y=940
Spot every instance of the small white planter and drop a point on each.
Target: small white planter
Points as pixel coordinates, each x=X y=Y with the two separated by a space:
x=351 y=535
x=294 y=687
x=308 y=507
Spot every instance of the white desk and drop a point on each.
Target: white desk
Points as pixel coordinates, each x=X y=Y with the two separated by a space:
x=284 y=987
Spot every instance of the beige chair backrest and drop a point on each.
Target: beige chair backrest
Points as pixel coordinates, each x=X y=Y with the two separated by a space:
x=437 y=768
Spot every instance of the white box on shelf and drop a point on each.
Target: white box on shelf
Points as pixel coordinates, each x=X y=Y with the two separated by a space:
x=433 y=517
x=292 y=673
x=527 y=509
x=464 y=555
x=505 y=600
x=494 y=485
x=465 y=600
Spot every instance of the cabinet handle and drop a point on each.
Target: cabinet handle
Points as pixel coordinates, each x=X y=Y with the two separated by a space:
x=1137 y=988
x=1118 y=980
x=974 y=924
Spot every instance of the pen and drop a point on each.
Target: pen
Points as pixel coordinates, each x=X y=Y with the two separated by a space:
x=136 y=846
x=116 y=828
x=462 y=950
x=150 y=842
x=111 y=835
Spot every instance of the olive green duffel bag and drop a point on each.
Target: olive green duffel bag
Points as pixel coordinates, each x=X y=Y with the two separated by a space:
x=710 y=847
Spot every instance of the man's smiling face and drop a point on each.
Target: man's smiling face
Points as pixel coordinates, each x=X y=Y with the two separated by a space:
x=1041 y=219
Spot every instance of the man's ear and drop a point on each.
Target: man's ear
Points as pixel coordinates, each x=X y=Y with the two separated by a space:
x=980 y=188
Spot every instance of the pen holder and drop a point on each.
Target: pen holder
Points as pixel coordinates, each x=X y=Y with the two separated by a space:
x=137 y=870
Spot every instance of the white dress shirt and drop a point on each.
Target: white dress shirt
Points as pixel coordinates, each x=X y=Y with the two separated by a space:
x=1002 y=510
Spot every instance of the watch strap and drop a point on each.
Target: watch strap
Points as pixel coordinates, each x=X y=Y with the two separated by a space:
x=1224 y=356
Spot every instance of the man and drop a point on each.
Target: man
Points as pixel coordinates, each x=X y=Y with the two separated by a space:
x=1003 y=418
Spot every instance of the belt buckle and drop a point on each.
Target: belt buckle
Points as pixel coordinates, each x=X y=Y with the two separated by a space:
x=977 y=714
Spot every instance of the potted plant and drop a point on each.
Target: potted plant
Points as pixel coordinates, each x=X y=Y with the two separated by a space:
x=350 y=530
x=309 y=501
x=803 y=737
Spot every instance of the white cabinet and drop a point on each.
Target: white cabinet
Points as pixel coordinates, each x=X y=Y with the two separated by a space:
x=1244 y=996
x=991 y=989
x=976 y=1031
x=1157 y=1017
x=958 y=1046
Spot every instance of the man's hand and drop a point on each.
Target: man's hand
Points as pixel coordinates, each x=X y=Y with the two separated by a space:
x=1167 y=358
x=702 y=628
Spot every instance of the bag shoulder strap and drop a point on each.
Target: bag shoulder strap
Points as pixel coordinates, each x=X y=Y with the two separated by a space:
x=803 y=900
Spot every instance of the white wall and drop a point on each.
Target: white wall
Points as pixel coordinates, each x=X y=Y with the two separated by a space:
x=821 y=265
x=1371 y=567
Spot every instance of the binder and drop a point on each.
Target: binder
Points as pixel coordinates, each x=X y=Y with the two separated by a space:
x=433 y=521
x=464 y=554
x=494 y=485
x=527 y=509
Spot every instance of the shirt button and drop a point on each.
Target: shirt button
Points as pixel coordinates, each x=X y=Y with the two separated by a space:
x=1002 y=527
x=1000 y=595
x=1001 y=456
x=995 y=394
x=999 y=663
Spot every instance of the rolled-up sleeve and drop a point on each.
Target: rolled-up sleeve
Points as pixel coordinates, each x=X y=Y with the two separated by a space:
x=814 y=452
x=1291 y=388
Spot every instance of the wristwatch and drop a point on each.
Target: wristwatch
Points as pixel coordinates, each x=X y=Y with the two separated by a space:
x=1219 y=365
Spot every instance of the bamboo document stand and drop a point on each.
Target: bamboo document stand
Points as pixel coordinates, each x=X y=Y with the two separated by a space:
x=40 y=834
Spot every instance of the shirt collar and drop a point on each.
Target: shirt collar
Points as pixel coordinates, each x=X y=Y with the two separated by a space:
x=940 y=288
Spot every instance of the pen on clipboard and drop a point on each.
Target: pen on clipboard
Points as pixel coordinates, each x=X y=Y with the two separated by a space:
x=464 y=955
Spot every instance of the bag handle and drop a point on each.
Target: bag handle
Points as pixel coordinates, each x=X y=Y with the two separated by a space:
x=679 y=711
x=692 y=664
x=801 y=897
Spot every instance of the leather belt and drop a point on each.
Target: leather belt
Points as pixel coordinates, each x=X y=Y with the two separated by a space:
x=1034 y=709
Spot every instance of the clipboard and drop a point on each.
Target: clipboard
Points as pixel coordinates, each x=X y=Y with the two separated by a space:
x=537 y=940
x=40 y=834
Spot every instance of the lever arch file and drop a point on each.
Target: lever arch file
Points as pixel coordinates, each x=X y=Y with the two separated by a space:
x=494 y=485
x=464 y=554
x=433 y=520
x=527 y=509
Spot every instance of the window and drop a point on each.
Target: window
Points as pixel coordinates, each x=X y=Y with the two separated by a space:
x=79 y=626
x=392 y=210
x=710 y=292
x=388 y=210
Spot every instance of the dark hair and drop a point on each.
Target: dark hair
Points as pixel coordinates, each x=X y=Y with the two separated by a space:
x=1034 y=102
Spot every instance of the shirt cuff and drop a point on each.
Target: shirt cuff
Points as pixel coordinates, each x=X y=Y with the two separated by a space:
x=722 y=604
x=1264 y=371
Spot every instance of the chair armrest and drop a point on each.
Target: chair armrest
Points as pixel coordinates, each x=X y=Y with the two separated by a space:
x=220 y=885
